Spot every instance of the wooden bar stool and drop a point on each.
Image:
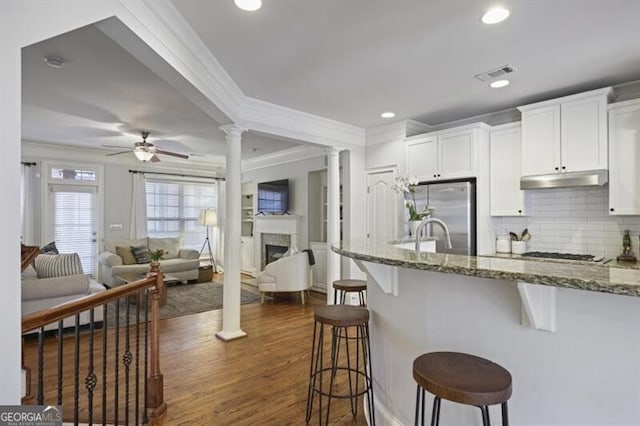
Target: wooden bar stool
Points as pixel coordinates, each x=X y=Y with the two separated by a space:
x=462 y=378
x=349 y=286
x=341 y=370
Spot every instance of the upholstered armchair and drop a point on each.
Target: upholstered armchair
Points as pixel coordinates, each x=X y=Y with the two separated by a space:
x=289 y=273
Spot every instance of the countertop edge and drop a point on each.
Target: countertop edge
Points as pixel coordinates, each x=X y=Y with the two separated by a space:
x=540 y=279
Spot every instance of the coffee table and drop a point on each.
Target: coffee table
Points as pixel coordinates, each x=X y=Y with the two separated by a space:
x=129 y=277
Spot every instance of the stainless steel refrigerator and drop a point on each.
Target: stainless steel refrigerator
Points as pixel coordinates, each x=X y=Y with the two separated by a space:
x=453 y=202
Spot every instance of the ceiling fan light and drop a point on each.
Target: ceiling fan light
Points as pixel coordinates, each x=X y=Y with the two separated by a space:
x=143 y=155
x=249 y=5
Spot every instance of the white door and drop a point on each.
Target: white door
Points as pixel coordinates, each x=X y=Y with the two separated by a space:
x=71 y=216
x=382 y=205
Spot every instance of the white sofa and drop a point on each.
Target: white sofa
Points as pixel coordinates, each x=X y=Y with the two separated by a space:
x=181 y=263
x=289 y=273
x=46 y=293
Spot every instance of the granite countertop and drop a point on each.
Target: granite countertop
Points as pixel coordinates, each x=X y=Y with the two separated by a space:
x=608 y=278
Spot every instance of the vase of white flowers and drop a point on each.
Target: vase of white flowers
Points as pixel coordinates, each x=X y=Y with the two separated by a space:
x=407 y=187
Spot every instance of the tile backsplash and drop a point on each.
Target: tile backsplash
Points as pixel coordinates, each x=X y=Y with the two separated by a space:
x=573 y=220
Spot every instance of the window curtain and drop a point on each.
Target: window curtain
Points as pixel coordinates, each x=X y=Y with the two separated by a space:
x=219 y=235
x=27 y=207
x=138 y=218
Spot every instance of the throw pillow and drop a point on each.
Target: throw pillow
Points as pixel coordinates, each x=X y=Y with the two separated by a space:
x=127 y=256
x=141 y=253
x=58 y=265
x=49 y=248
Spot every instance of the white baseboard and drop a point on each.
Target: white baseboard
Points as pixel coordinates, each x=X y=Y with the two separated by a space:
x=383 y=415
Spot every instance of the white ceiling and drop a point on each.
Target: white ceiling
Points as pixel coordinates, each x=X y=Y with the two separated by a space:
x=345 y=60
x=103 y=95
x=351 y=60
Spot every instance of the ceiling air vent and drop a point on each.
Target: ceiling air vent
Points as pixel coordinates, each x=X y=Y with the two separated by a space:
x=495 y=73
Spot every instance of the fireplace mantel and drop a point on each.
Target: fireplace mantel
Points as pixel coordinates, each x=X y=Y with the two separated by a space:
x=274 y=224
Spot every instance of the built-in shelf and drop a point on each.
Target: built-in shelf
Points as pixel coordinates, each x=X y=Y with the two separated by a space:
x=246 y=217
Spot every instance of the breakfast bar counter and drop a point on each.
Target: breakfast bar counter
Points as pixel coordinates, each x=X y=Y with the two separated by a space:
x=609 y=278
x=568 y=332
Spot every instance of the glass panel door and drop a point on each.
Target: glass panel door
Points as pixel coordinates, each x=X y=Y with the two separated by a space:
x=74 y=223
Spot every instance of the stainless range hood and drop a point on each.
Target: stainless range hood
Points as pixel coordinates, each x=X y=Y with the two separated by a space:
x=565 y=180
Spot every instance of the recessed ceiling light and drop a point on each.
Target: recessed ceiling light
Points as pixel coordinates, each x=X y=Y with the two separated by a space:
x=250 y=5
x=54 y=61
x=495 y=15
x=499 y=83
x=388 y=114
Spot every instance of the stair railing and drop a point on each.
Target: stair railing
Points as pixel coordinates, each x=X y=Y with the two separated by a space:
x=88 y=347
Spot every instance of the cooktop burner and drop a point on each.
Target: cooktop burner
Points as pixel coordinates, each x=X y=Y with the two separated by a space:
x=567 y=256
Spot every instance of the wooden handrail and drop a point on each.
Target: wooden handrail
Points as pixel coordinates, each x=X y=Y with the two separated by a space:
x=47 y=316
x=28 y=255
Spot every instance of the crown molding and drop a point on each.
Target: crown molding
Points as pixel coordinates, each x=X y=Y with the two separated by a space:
x=395 y=131
x=286 y=122
x=281 y=157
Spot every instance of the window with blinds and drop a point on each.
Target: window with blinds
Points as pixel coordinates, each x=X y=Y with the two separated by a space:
x=74 y=223
x=173 y=208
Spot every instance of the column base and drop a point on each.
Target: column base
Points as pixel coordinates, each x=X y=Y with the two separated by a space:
x=227 y=336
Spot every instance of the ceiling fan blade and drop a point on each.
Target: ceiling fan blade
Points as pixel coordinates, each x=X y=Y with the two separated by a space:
x=173 y=154
x=118 y=153
x=112 y=146
x=155 y=159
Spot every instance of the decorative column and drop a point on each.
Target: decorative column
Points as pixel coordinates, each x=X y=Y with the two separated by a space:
x=333 y=220
x=232 y=250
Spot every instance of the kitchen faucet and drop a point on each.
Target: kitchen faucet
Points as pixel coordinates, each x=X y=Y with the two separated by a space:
x=426 y=221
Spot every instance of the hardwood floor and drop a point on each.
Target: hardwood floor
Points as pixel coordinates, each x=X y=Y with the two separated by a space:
x=261 y=379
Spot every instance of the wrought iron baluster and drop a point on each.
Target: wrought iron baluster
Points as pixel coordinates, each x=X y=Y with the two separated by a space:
x=41 y=366
x=105 y=319
x=91 y=380
x=145 y=419
x=126 y=360
x=76 y=372
x=60 y=354
x=116 y=363
x=137 y=385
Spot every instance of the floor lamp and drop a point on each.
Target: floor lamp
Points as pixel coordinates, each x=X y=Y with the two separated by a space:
x=208 y=217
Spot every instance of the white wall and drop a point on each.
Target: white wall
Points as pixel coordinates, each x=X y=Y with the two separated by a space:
x=573 y=220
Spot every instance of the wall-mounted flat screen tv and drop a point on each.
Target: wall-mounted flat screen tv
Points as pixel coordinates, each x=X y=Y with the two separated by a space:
x=273 y=197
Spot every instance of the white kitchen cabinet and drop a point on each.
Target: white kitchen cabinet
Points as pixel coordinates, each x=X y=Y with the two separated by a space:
x=247 y=265
x=507 y=199
x=540 y=151
x=565 y=135
x=422 y=158
x=624 y=157
x=449 y=154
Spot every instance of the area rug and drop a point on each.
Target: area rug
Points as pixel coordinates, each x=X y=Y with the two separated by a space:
x=184 y=299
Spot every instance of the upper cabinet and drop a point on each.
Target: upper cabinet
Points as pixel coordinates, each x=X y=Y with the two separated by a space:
x=565 y=135
x=447 y=154
x=624 y=157
x=507 y=199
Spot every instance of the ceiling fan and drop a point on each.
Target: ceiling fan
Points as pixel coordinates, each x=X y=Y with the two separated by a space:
x=146 y=151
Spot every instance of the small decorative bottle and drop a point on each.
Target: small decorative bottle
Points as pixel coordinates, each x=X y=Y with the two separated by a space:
x=627 y=254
